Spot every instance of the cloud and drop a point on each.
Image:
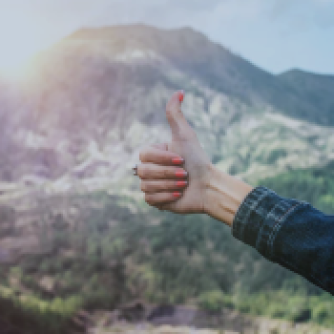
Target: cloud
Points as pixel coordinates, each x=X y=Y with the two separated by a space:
x=242 y=25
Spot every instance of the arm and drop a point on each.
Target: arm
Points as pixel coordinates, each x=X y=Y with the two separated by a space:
x=289 y=232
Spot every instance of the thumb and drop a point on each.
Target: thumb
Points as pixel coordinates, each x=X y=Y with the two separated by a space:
x=163 y=147
x=178 y=124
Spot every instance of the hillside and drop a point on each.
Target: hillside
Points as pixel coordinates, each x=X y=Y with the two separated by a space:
x=95 y=98
x=211 y=64
x=100 y=251
x=314 y=88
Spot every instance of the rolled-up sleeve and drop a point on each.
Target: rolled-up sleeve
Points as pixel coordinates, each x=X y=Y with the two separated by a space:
x=289 y=232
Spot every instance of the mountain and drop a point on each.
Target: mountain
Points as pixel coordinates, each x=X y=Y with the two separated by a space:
x=96 y=97
x=314 y=88
x=213 y=65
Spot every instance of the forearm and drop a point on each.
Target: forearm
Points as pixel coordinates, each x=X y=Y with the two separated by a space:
x=224 y=195
x=286 y=231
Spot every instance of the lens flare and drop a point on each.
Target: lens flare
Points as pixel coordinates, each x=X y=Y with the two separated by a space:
x=21 y=39
x=13 y=63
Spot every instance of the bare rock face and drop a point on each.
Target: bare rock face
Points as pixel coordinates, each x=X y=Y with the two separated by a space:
x=7 y=221
x=98 y=96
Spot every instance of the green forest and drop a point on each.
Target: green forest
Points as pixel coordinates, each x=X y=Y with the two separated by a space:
x=113 y=255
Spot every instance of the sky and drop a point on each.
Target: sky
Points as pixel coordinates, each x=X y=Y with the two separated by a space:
x=276 y=35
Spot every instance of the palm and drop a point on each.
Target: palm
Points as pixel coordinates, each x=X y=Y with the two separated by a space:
x=196 y=164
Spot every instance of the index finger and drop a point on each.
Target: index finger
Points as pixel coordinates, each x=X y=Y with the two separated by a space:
x=160 y=157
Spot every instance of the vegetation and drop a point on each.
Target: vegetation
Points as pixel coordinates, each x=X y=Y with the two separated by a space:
x=108 y=255
x=32 y=315
x=315 y=186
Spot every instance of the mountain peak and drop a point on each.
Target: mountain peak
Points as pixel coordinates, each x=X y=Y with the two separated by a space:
x=173 y=44
x=134 y=30
x=296 y=72
x=189 y=52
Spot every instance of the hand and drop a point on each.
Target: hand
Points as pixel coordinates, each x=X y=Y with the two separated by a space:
x=161 y=179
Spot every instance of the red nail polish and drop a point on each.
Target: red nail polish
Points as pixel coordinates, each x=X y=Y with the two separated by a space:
x=181 y=184
x=177 y=161
x=177 y=194
x=181 y=173
x=181 y=96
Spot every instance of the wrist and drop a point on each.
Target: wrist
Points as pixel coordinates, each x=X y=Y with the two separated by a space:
x=223 y=195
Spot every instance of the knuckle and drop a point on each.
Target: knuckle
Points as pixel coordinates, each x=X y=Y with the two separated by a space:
x=143 y=186
x=148 y=199
x=168 y=185
x=169 y=112
x=161 y=207
x=140 y=171
x=166 y=172
x=144 y=172
x=142 y=156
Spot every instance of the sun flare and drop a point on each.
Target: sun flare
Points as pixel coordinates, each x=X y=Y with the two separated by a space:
x=14 y=62
x=16 y=54
x=20 y=40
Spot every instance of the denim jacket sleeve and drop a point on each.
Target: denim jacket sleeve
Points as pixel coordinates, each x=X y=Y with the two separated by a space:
x=289 y=232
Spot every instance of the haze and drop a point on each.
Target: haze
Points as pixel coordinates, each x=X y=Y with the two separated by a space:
x=276 y=35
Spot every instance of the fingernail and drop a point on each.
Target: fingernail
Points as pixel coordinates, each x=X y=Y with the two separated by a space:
x=181 y=96
x=181 y=173
x=177 y=161
x=181 y=184
x=177 y=194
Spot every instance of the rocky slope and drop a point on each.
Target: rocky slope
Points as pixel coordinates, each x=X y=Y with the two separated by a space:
x=94 y=99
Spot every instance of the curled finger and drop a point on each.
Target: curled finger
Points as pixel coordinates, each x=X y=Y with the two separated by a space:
x=153 y=172
x=154 y=186
x=157 y=199
x=161 y=157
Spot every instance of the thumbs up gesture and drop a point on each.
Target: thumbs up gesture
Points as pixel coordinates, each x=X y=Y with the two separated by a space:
x=175 y=176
